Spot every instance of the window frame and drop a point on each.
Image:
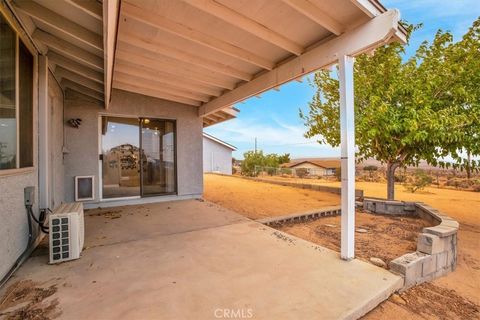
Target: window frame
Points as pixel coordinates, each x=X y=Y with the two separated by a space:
x=20 y=35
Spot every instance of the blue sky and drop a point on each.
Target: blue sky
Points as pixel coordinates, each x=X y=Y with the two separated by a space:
x=273 y=119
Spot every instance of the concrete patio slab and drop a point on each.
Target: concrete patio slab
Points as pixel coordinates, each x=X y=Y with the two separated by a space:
x=197 y=261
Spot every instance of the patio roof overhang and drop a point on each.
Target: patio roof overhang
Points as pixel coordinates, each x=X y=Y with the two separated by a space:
x=206 y=53
x=215 y=53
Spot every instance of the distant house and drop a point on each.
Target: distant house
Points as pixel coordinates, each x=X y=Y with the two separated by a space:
x=217 y=155
x=315 y=166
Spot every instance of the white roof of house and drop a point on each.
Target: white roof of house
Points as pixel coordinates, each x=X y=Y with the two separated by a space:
x=206 y=135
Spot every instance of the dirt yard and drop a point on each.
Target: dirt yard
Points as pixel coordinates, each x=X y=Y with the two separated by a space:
x=258 y=200
x=377 y=236
x=456 y=296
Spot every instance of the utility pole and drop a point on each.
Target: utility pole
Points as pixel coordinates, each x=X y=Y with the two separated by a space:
x=255 y=144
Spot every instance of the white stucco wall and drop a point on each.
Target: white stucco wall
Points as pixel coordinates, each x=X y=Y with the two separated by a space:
x=83 y=143
x=55 y=104
x=216 y=157
x=13 y=215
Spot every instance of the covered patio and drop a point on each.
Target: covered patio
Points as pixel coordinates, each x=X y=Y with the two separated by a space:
x=173 y=68
x=195 y=260
x=198 y=56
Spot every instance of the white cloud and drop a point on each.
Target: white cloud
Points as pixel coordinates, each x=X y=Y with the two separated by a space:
x=436 y=8
x=276 y=133
x=274 y=136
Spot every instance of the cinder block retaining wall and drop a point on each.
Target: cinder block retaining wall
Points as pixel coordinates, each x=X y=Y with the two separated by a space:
x=436 y=253
x=316 y=187
x=302 y=216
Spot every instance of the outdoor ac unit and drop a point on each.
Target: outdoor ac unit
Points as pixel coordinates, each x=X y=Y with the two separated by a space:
x=66 y=232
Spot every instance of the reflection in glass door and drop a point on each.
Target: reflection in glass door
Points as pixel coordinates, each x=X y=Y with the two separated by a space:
x=120 y=155
x=138 y=157
x=158 y=157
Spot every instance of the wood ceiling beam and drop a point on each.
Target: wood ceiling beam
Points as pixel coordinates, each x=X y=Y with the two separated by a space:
x=207 y=122
x=229 y=112
x=65 y=83
x=181 y=55
x=153 y=93
x=110 y=18
x=159 y=65
x=317 y=15
x=61 y=24
x=76 y=67
x=364 y=38
x=174 y=80
x=251 y=26
x=155 y=85
x=184 y=66
x=91 y=7
x=155 y=20
x=69 y=50
x=63 y=73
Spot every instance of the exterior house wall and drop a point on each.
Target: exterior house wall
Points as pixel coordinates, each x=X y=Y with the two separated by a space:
x=14 y=225
x=56 y=136
x=83 y=143
x=316 y=169
x=216 y=157
x=13 y=215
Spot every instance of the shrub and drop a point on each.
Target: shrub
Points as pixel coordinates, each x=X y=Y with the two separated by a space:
x=419 y=181
x=370 y=168
x=301 y=172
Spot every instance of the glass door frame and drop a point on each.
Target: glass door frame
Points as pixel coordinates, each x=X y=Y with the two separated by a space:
x=140 y=126
x=175 y=192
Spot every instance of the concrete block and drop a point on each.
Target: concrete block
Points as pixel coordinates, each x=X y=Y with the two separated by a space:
x=441 y=231
x=452 y=259
x=441 y=272
x=410 y=266
x=448 y=222
x=430 y=244
x=441 y=259
x=429 y=265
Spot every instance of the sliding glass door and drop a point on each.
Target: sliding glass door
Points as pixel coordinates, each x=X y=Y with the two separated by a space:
x=120 y=157
x=138 y=157
x=158 y=157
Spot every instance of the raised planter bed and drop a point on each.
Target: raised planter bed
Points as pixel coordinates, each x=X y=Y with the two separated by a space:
x=436 y=253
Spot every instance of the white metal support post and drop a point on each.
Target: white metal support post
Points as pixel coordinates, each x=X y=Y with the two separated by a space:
x=43 y=125
x=347 y=132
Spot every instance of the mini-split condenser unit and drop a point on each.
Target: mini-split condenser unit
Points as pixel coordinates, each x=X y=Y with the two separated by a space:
x=66 y=232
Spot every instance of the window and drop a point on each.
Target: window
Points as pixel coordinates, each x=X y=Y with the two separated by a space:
x=25 y=105
x=16 y=100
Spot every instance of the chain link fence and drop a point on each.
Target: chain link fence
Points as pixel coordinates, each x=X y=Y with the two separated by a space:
x=295 y=172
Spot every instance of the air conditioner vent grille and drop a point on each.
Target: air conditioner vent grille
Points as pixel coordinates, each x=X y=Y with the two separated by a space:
x=60 y=235
x=66 y=232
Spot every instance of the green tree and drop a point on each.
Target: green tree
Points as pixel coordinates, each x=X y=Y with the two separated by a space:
x=284 y=158
x=406 y=111
x=254 y=160
x=465 y=65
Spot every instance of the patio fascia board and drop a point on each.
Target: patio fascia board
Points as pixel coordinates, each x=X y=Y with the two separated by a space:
x=377 y=32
